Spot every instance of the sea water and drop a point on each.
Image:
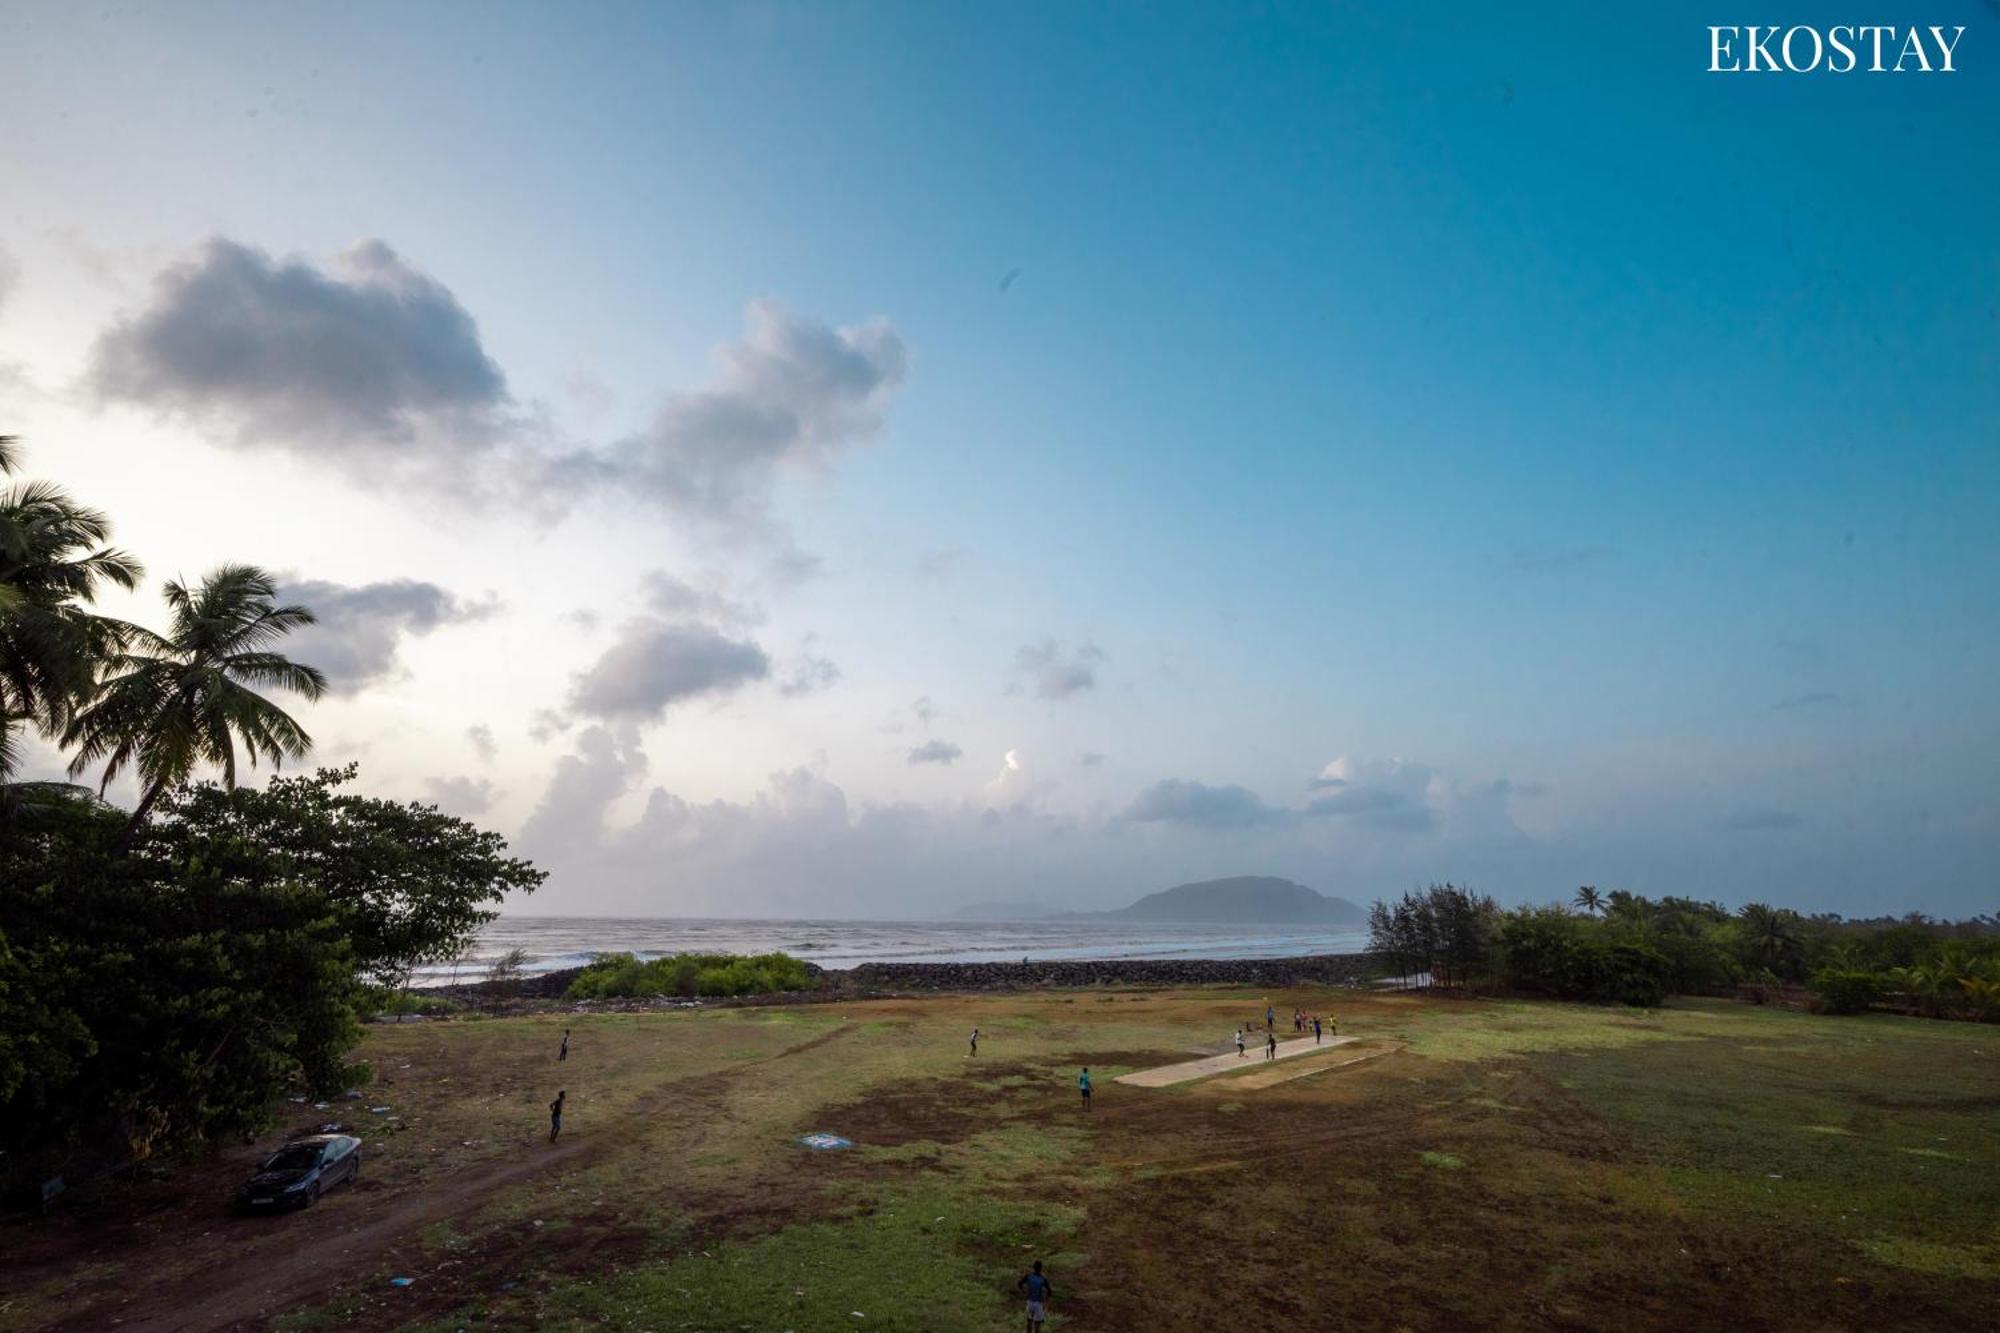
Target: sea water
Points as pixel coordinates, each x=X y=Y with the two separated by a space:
x=553 y=942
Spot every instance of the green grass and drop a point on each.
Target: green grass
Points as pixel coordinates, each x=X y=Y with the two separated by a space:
x=921 y=1257
x=1966 y=1261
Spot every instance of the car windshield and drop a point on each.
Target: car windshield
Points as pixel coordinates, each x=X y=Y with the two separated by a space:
x=294 y=1157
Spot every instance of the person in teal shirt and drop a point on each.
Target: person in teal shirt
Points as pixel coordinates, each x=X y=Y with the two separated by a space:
x=1083 y=1086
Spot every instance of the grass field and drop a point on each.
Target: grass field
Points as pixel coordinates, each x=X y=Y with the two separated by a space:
x=1493 y=1165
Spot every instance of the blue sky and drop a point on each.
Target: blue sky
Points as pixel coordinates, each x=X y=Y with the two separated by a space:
x=1596 y=454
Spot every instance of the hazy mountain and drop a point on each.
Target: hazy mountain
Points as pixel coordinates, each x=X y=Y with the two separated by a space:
x=1261 y=899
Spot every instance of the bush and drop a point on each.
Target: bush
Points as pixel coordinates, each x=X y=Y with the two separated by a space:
x=617 y=975
x=1847 y=990
x=1633 y=974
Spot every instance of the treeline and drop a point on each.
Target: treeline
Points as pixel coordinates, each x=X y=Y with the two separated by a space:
x=167 y=974
x=1624 y=947
x=689 y=975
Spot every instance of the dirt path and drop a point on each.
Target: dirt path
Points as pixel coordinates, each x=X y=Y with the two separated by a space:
x=1168 y=1075
x=285 y=1270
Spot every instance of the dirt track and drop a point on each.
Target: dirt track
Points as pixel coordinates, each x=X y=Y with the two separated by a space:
x=266 y=1268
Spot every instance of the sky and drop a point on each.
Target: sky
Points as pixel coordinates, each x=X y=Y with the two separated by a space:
x=864 y=459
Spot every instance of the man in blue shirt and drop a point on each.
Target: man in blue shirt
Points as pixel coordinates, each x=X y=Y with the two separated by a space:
x=1039 y=1291
x=1083 y=1085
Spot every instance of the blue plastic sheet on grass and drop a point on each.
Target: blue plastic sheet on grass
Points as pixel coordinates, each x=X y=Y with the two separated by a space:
x=824 y=1142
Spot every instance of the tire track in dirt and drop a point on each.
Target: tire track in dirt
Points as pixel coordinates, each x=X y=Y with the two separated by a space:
x=308 y=1267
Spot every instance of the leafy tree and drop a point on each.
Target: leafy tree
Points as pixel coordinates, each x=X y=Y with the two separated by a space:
x=1445 y=931
x=162 y=990
x=53 y=560
x=1589 y=899
x=407 y=883
x=172 y=702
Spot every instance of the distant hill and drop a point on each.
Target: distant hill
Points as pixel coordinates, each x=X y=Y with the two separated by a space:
x=1261 y=899
x=1005 y=911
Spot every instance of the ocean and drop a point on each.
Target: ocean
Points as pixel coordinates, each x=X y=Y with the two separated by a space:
x=554 y=942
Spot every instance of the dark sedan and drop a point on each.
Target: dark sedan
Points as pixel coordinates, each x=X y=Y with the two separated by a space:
x=298 y=1173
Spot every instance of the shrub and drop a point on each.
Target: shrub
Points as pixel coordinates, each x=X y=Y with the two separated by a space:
x=1847 y=990
x=1547 y=949
x=688 y=974
x=1634 y=974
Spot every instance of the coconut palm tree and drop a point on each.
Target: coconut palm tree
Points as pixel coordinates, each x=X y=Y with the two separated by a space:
x=171 y=702
x=1590 y=900
x=1771 y=933
x=52 y=562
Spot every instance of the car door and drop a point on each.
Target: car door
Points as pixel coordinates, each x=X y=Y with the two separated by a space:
x=339 y=1160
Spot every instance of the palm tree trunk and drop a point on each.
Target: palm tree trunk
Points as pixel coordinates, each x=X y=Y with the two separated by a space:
x=144 y=808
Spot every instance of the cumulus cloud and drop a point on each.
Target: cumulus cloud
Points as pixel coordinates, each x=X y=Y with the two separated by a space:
x=360 y=627
x=1197 y=805
x=807 y=672
x=791 y=394
x=676 y=598
x=1390 y=794
x=571 y=813
x=483 y=744
x=802 y=846
x=350 y=363
x=1054 y=674
x=935 y=752
x=654 y=665
x=799 y=846
x=545 y=724
x=461 y=796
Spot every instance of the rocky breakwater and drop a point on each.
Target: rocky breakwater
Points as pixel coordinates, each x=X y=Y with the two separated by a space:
x=1317 y=969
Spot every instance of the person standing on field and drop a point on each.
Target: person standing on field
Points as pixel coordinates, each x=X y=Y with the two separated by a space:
x=1271 y=1046
x=1315 y=1029
x=562 y=1051
x=1239 y=1043
x=1039 y=1291
x=1083 y=1086
x=555 y=1114
x=975 y=1042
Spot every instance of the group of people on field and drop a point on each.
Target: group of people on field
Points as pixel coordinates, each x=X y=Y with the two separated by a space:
x=1302 y=1022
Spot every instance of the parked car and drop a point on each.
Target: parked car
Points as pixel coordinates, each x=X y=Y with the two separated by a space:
x=298 y=1173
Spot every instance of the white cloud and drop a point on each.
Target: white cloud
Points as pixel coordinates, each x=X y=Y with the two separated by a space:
x=358 y=629
x=1054 y=674
x=464 y=797
x=792 y=394
x=655 y=665
x=935 y=751
x=1197 y=805
x=369 y=360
